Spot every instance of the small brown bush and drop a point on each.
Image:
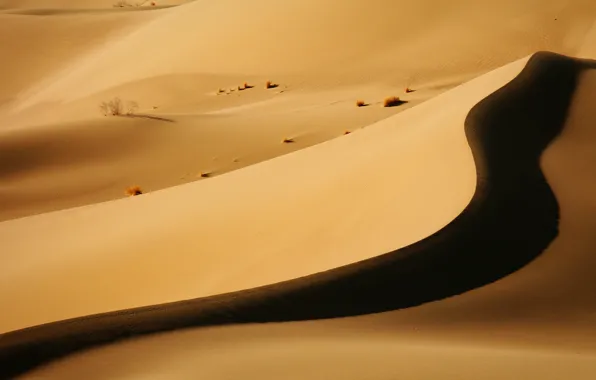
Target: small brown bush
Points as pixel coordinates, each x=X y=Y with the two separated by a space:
x=269 y=85
x=392 y=101
x=287 y=140
x=360 y=103
x=134 y=191
x=113 y=107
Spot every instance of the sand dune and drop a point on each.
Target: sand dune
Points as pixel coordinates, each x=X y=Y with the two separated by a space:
x=362 y=287
x=271 y=191
x=39 y=46
x=212 y=45
x=201 y=37
x=473 y=244
x=300 y=351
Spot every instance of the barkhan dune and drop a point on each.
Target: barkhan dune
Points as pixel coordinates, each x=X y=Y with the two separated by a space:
x=448 y=237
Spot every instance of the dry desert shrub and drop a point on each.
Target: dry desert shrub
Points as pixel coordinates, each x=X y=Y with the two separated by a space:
x=116 y=107
x=360 y=103
x=392 y=101
x=111 y=108
x=287 y=140
x=269 y=85
x=134 y=191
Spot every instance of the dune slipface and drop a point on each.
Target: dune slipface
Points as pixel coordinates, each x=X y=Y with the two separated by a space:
x=511 y=219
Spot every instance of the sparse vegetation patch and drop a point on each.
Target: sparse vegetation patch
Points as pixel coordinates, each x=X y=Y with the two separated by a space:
x=270 y=84
x=134 y=191
x=392 y=101
x=116 y=107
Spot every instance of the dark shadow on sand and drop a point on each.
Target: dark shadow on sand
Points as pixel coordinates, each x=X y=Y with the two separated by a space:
x=396 y=104
x=152 y=117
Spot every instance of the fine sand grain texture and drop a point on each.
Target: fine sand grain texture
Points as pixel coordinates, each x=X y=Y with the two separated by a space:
x=528 y=114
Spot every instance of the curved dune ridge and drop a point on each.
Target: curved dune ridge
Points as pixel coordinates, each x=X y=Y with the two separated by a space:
x=511 y=219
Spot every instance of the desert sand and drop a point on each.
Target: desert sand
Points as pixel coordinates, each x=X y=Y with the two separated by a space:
x=66 y=64
x=452 y=233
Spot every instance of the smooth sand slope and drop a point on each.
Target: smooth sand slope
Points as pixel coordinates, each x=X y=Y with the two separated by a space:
x=488 y=239
x=324 y=55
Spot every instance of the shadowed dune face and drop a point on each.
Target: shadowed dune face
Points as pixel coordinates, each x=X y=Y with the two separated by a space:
x=558 y=288
x=511 y=219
